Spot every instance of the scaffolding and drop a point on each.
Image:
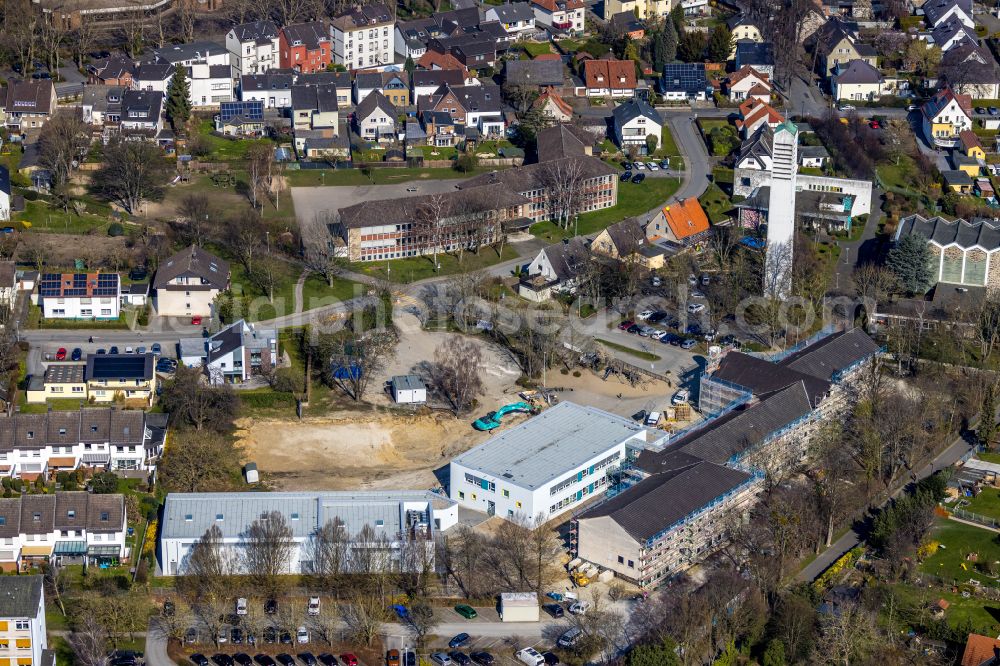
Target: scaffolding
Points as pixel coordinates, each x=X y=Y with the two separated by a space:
x=717 y=396
x=778 y=357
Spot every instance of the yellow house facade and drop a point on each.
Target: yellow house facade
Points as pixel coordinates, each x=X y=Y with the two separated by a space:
x=22 y=622
x=641 y=8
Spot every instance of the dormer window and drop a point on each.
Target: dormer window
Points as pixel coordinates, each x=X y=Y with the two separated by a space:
x=105 y=516
x=31 y=434
x=71 y=514
x=36 y=517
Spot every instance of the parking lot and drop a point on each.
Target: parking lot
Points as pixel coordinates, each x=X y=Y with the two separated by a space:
x=40 y=355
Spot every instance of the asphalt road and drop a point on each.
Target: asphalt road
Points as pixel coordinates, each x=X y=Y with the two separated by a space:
x=697 y=166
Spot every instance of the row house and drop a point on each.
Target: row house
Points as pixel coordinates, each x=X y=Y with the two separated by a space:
x=254 y=47
x=273 y=88
x=66 y=527
x=517 y=18
x=152 y=76
x=194 y=53
x=474 y=50
x=38 y=445
x=609 y=78
x=79 y=295
x=115 y=70
x=364 y=36
x=471 y=106
x=426 y=83
x=394 y=85
x=561 y=15
x=210 y=85
x=395 y=228
x=102 y=378
x=314 y=107
x=102 y=104
x=410 y=38
x=304 y=47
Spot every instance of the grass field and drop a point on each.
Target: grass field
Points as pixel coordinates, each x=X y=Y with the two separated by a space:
x=716 y=203
x=628 y=350
x=42 y=217
x=412 y=269
x=632 y=200
x=667 y=144
x=989 y=457
x=381 y=176
x=316 y=292
x=536 y=49
x=977 y=613
x=958 y=541
x=284 y=292
x=225 y=150
x=987 y=504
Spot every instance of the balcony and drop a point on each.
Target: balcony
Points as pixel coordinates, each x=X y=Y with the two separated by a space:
x=562 y=25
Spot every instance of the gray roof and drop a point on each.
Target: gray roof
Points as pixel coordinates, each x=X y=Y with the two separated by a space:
x=199 y=50
x=754 y=53
x=812 y=151
x=513 y=12
x=569 y=258
x=100 y=96
x=832 y=354
x=552 y=444
x=309 y=34
x=321 y=98
x=758 y=146
x=375 y=100
x=20 y=596
x=400 y=211
x=858 y=71
x=534 y=72
x=529 y=176
x=189 y=515
x=935 y=10
x=260 y=32
x=762 y=376
x=408 y=382
x=65 y=373
x=560 y=141
x=668 y=497
x=274 y=79
x=147 y=102
x=950 y=29
x=361 y=16
x=437 y=78
x=627 y=236
x=193 y=262
x=634 y=108
x=64 y=428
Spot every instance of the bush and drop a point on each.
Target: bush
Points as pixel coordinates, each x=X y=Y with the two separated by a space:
x=287 y=380
x=266 y=399
x=465 y=163
x=104 y=483
x=30 y=195
x=115 y=229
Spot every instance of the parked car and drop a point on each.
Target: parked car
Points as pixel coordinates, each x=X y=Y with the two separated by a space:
x=530 y=656
x=265 y=660
x=847 y=107
x=459 y=658
x=271 y=606
x=243 y=659
x=155 y=348
x=77 y=354
x=671 y=339
x=466 y=611
x=652 y=166
x=659 y=335
x=401 y=611
x=627 y=166
x=349 y=659
x=550 y=658
x=656 y=281
x=580 y=608
x=633 y=329
x=639 y=165
x=285 y=659
x=994 y=110
x=695 y=308
x=140 y=350
x=236 y=636
x=61 y=354
x=483 y=658
x=223 y=636
x=113 y=350
x=223 y=659
x=625 y=324
x=307 y=658
x=198 y=659
x=874 y=124
x=410 y=658
x=570 y=637
x=459 y=640
x=555 y=610
x=652 y=420
x=681 y=397
x=169 y=609
x=645 y=314
x=697 y=294
x=241 y=606
x=196 y=320
x=441 y=658
x=392 y=658
x=313 y=607
x=102 y=351
x=327 y=659
x=191 y=635
x=285 y=637
x=688 y=343
x=626 y=175
x=646 y=331
x=705 y=280
x=129 y=350
x=664 y=164
x=302 y=635
x=657 y=317
x=639 y=416
x=638 y=178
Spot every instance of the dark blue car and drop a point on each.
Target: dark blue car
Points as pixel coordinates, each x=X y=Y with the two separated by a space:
x=459 y=641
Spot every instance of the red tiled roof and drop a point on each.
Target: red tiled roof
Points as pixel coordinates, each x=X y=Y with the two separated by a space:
x=551 y=5
x=434 y=60
x=686 y=218
x=978 y=649
x=970 y=140
x=744 y=72
x=609 y=74
x=754 y=109
x=560 y=103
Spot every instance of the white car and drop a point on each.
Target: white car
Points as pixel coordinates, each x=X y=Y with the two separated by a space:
x=659 y=335
x=301 y=635
x=640 y=166
x=241 y=606
x=697 y=294
x=531 y=657
x=847 y=107
x=313 y=607
x=441 y=658
x=580 y=608
x=644 y=315
x=653 y=419
x=129 y=350
x=653 y=166
x=681 y=397
x=695 y=308
x=692 y=280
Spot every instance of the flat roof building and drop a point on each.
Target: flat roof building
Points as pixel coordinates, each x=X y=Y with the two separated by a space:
x=545 y=465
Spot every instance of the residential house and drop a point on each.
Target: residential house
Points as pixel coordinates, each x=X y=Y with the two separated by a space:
x=363 y=36
x=193 y=53
x=59 y=381
x=340 y=80
x=608 y=78
x=152 y=76
x=411 y=37
x=127 y=377
x=438 y=129
x=8 y=269
x=65 y=527
x=553 y=107
x=633 y=122
x=640 y=9
x=753 y=114
x=561 y=141
x=394 y=85
x=401 y=520
x=375 y=118
x=115 y=70
x=619 y=241
x=22 y=621
x=945 y=116
x=102 y=104
x=474 y=50
x=971 y=70
x=695 y=7
x=377 y=230
x=476 y=107
x=314 y=107
x=683 y=223
x=971 y=145
x=254 y=47
x=210 y=85
x=187 y=283
x=937 y=12
x=837 y=42
x=980 y=650
x=743 y=29
x=29 y=104
x=534 y=73
x=965 y=253
x=748 y=82
x=5 y=210
x=142 y=116
x=517 y=18
x=858 y=81
x=79 y=295
x=233 y=354
x=426 y=83
x=304 y=47
x=813 y=157
x=39 y=445
x=626 y=23
x=241 y=119
x=273 y=88
x=435 y=60
x=684 y=81
x=952 y=34
x=598 y=186
x=557 y=268
x=759 y=55
x=561 y=15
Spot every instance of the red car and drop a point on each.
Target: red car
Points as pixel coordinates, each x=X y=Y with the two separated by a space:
x=875 y=124
x=349 y=659
x=196 y=321
x=61 y=354
x=625 y=324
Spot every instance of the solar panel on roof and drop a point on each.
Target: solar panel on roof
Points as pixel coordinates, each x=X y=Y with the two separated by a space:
x=250 y=109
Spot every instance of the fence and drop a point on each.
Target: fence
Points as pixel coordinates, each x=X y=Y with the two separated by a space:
x=985 y=521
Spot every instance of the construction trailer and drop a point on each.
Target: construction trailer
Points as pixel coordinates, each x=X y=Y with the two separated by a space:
x=518 y=607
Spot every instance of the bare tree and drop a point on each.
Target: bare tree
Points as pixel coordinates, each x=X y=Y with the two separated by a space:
x=456 y=371
x=330 y=553
x=260 y=171
x=133 y=172
x=209 y=566
x=268 y=550
x=52 y=37
x=133 y=33
x=21 y=30
x=196 y=208
x=33 y=251
x=320 y=253
x=266 y=274
x=83 y=39
x=563 y=182
x=326 y=624
x=173 y=626
x=89 y=641
x=363 y=613
x=185 y=19
x=62 y=141
x=428 y=222
x=354 y=359
x=244 y=238
x=873 y=284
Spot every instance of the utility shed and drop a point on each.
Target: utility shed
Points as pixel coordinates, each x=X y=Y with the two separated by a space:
x=408 y=389
x=518 y=607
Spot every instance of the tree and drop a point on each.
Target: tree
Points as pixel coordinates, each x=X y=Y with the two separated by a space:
x=192 y=404
x=320 y=254
x=89 y=642
x=266 y=274
x=986 y=429
x=178 y=105
x=629 y=49
x=466 y=162
x=662 y=654
x=677 y=18
x=873 y=283
x=196 y=208
x=456 y=373
x=723 y=140
x=330 y=550
x=409 y=65
x=208 y=566
x=563 y=180
x=422 y=620
x=267 y=551
x=921 y=58
x=104 y=483
x=774 y=655
x=200 y=462
x=898 y=137
x=363 y=613
x=260 y=171
x=691 y=47
x=651 y=142
x=133 y=172
x=720 y=43
x=62 y=140
x=910 y=260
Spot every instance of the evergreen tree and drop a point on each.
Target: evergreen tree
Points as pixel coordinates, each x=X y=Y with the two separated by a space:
x=774 y=655
x=409 y=65
x=178 y=99
x=664 y=654
x=910 y=261
x=677 y=18
x=987 y=429
x=629 y=49
x=669 y=42
x=720 y=44
x=691 y=47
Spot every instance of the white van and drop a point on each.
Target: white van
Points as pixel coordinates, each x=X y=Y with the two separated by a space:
x=653 y=419
x=531 y=657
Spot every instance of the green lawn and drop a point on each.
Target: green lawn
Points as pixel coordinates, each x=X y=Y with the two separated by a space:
x=260 y=308
x=628 y=350
x=536 y=49
x=722 y=176
x=975 y=612
x=436 y=153
x=225 y=150
x=668 y=146
x=987 y=504
x=632 y=200
x=40 y=216
x=412 y=269
x=716 y=203
x=316 y=292
x=958 y=541
x=989 y=457
x=379 y=176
